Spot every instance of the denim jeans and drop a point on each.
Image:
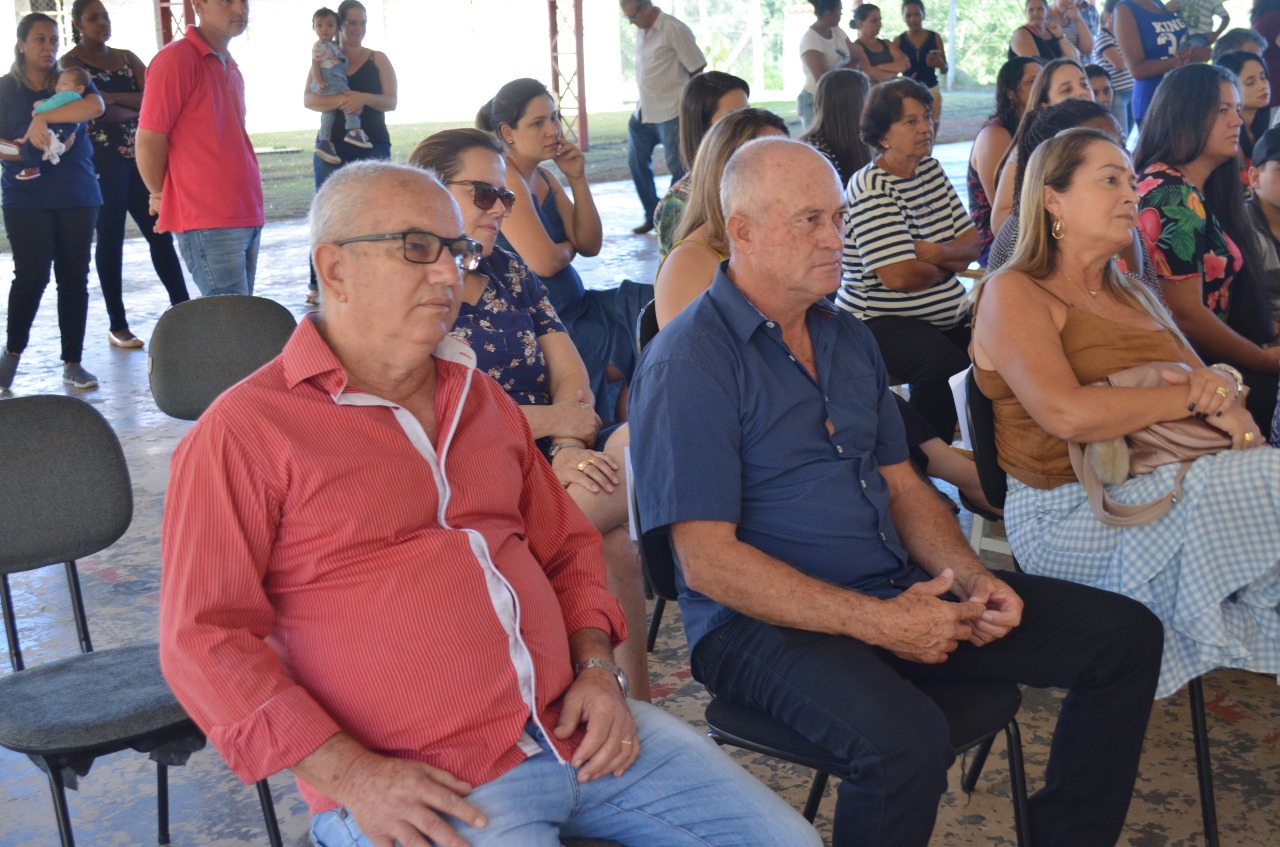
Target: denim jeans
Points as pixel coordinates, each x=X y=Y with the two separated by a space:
x=642 y=138
x=124 y=193
x=1120 y=110
x=804 y=109
x=680 y=791
x=859 y=702
x=40 y=239
x=221 y=261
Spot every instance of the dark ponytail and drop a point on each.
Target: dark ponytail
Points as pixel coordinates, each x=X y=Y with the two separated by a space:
x=509 y=104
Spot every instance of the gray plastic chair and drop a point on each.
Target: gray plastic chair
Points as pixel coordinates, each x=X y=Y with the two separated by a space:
x=69 y=497
x=202 y=347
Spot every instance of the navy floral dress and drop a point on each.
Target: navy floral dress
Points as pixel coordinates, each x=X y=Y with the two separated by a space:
x=504 y=325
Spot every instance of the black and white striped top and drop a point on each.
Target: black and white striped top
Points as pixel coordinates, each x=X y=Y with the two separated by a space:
x=885 y=215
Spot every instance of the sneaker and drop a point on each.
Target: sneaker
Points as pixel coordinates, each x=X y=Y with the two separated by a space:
x=28 y=173
x=357 y=138
x=8 y=367
x=124 y=338
x=77 y=377
x=326 y=152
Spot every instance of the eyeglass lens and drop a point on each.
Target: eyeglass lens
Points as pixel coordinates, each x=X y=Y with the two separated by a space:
x=485 y=195
x=424 y=248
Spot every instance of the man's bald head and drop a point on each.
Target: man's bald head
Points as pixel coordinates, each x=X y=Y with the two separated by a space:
x=762 y=171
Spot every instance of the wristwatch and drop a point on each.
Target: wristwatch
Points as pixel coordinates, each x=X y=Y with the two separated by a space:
x=1231 y=372
x=556 y=448
x=618 y=673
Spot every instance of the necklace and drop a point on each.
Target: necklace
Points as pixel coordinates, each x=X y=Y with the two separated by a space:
x=1093 y=292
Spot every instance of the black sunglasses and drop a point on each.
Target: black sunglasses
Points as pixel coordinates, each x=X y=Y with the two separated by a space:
x=423 y=248
x=485 y=195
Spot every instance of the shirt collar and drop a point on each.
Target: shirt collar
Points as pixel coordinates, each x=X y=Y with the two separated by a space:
x=740 y=314
x=202 y=47
x=307 y=357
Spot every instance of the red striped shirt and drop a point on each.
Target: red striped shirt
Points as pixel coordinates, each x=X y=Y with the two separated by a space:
x=326 y=567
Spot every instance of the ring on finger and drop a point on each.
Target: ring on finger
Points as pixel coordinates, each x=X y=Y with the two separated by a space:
x=582 y=466
x=625 y=741
x=1248 y=437
x=1221 y=391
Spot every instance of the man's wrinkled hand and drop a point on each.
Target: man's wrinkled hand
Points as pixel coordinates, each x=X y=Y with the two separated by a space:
x=610 y=744
x=1002 y=606
x=920 y=627
x=396 y=801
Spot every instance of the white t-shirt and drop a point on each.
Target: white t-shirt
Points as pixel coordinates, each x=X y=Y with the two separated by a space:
x=834 y=50
x=886 y=215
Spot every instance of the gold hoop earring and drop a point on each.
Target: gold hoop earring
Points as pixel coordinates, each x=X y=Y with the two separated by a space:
x=1056 y=230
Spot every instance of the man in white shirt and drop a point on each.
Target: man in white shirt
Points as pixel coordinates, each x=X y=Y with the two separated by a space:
x=667 y=56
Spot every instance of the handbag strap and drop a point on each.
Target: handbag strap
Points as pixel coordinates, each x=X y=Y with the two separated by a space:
x=1107 y=510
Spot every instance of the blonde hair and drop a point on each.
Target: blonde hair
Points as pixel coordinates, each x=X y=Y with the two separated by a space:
x=1053 y=165
x=718 y=146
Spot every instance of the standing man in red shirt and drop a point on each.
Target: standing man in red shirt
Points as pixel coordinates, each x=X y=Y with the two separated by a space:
x=373 y=578
x=195 y=155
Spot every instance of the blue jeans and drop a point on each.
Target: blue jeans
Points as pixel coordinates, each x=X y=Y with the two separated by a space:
x=804 y=108
x=642 y=138
x=680 y=791
x=1120 y=110
x=221 y=261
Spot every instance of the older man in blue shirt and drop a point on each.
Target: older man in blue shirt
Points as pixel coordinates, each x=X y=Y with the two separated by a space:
x=819 y=575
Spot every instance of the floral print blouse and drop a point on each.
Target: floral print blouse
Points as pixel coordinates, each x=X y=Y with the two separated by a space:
x=114 y=139
x=1185 y=239
x=503 y=328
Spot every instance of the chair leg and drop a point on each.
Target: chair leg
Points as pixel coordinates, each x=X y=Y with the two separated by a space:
x=269 y=814
x=60 y=810
x=976 y=533
x=10 y=625
x=77 y=607
x=815 y=795
x=1018 y=785
x=162 y=804
x=1204 y=769
x=655 y=621
x=980 y=753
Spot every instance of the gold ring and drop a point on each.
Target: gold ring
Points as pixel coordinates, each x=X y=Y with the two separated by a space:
x=591 y=461
x=626 y=742
x=1248 y=437
x=582 y=466
x=1221 y=391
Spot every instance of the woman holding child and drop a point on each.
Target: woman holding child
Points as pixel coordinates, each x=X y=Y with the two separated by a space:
x=373 y=92
x=49 y=219
x=120 y=76
x=1055 y=321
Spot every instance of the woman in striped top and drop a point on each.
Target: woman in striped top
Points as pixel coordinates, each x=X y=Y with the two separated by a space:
x=906 y=236
x=1107 y=55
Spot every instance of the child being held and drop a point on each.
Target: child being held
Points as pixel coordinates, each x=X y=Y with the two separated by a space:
x=328 y=77
x=71 y=85
x=1198 y=16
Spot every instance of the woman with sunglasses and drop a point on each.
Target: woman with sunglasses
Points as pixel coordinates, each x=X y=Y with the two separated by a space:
x=507 y=318
x=373 y=92
x=548 y=229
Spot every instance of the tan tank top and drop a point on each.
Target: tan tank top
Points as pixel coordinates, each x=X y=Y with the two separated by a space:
x=1095 y=347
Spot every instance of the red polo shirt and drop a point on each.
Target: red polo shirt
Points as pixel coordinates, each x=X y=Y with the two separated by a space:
x=326 y=567
x=213 y=180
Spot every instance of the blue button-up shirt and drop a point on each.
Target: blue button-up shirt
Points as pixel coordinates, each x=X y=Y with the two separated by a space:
x=727 y=425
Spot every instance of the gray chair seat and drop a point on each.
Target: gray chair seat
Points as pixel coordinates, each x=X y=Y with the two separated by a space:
x=105 y=698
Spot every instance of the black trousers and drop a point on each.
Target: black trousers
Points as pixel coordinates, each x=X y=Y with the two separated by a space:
x=859 y=702
x=124 y=193
x=40 y=239
x=919 y=353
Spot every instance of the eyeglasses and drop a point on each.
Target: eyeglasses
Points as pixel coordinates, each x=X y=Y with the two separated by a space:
x=424 y=248
x=485 y=195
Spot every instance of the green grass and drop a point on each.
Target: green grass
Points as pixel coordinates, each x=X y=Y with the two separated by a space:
x=288 y=182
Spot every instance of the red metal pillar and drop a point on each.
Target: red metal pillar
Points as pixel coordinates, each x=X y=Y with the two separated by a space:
x=172 y=17
x=568 y=77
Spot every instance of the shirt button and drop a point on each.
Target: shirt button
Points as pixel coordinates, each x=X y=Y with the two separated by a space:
x=864 y=483
x=839 y=449
x=792 y=358
x=770 y=324
x=883 y=537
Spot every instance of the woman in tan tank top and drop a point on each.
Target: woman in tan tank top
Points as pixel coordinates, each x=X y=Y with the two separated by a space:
x=1058 y=318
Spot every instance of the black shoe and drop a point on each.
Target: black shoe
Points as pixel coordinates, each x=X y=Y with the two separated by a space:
x=644 y=228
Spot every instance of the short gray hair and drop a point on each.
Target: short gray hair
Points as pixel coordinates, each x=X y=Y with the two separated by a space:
x=337 y=204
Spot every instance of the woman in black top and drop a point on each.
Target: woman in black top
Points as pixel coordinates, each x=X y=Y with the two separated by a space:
x=1041 y=36
x=925 y=53
x=120 y=76
x=880 y=60
x=373 y=93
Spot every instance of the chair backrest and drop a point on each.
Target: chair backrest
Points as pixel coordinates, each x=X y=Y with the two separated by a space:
x=66 y=491
x=202 y=347
x=647 y=326
x=982 y=431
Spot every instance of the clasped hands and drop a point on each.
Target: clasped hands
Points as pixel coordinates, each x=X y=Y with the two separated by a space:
x=1212 y=396
x=919 y=626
